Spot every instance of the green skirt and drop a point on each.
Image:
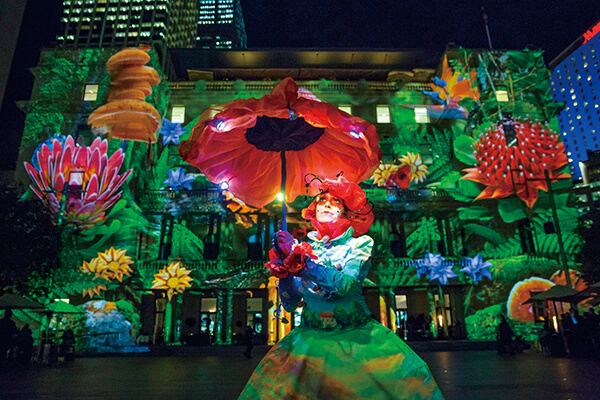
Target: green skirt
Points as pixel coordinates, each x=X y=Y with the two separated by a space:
x=366 y=362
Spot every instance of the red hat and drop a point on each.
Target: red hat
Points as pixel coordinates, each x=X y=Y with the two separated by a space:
x=358 y=211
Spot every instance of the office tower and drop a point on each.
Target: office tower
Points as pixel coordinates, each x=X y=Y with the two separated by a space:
x=220 y=25
x=575 y=81
x=119 y=23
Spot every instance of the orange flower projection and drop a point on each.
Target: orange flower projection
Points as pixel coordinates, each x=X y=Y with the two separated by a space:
x=520 y=293
x=538 y=148
x=172 y=278
x=116 y=262
x=410 y=169
x=95 y=267
x=95 y=289
x=126 y=115
x=382 y=175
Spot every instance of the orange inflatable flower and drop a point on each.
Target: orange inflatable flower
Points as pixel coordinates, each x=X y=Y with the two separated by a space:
x=520 y=293
x=127 y=115
x=538 y=148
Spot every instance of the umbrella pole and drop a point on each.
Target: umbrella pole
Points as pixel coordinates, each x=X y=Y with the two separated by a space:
x=283 y=205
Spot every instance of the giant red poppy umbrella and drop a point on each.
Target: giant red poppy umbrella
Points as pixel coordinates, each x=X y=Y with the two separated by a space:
x=261 y=146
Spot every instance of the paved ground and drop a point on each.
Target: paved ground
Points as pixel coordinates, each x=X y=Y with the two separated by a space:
x=221 y=374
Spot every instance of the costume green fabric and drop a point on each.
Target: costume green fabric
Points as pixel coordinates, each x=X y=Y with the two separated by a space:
x=339 y=351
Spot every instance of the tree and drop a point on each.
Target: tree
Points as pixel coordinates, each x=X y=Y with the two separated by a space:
x=29 y=241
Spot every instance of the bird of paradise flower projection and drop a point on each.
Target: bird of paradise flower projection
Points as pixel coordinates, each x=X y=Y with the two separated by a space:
x=172 y=278
x=449 y=89
x=520 y=168
x=78 y=183
x=411 y=169
x=117 y=262
x=127 y=115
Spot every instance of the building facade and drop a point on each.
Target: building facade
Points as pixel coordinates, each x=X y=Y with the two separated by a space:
x=420 y=114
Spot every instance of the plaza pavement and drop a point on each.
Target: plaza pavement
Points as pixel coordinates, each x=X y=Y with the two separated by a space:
x=219 y=373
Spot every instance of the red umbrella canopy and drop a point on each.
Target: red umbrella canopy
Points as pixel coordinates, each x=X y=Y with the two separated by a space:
x=246 y=142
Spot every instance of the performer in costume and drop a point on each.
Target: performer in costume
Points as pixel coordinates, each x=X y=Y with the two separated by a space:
x=338 y=351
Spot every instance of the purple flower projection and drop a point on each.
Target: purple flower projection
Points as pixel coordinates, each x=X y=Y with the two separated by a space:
x=433 y=266
x=171 y=131
x=178 y=180
x=477 y=268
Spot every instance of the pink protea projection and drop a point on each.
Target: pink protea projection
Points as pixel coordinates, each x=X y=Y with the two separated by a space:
x=92 y=177
x=538 y=148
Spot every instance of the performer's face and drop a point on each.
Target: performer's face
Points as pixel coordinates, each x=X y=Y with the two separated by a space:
x=329 y=208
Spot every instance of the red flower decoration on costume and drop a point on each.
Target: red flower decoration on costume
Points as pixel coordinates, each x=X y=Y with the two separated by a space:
x=297 y=258
x=293 y=263
x=538 y=148
x=276 y=266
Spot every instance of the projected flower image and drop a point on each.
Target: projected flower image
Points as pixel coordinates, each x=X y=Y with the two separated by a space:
x=78 y=183
x=116 y=262
x=173 y=279
x=506 y=169
x=178 y=180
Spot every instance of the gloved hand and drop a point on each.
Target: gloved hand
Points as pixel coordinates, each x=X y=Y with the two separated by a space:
x=282 y=243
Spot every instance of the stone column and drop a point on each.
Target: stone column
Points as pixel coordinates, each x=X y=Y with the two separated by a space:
x=228 y=315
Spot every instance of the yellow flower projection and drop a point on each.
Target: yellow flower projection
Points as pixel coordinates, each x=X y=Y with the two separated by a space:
x=383 y=173
x=172 y=278
x=95 y=267
x=91 y=290
x=418 y=170
x=117 y=262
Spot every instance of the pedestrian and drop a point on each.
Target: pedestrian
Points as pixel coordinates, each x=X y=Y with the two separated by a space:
x=248 y=341
x=25 y=343
x=505 y=337
x=8 y=332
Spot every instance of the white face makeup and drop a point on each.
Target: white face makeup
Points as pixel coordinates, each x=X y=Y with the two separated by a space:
x=329 y=208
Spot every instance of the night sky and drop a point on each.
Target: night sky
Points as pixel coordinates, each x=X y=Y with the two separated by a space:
x=385 y=24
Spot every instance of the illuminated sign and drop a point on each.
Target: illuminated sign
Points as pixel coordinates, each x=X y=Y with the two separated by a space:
x=591 y=33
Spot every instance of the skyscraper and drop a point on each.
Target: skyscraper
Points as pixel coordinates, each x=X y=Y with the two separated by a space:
x=118 y=23
x=575 y=81
x=220 y=25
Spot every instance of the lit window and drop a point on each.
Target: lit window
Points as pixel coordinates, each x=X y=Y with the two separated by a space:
x=383 y=114
x=502 y=96
x=91 y=93
x=421 y=115
x=344 y=107
x=178 y=114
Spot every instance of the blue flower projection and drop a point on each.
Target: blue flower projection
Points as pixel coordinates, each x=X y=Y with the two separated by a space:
x=433 y=266
x=171 y=131
x=477 y=268
x=179 y=180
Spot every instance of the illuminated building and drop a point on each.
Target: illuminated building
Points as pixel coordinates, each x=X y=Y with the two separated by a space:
x=224 y=243
x=220 y=25
x=575 y=81
x=122 y=23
